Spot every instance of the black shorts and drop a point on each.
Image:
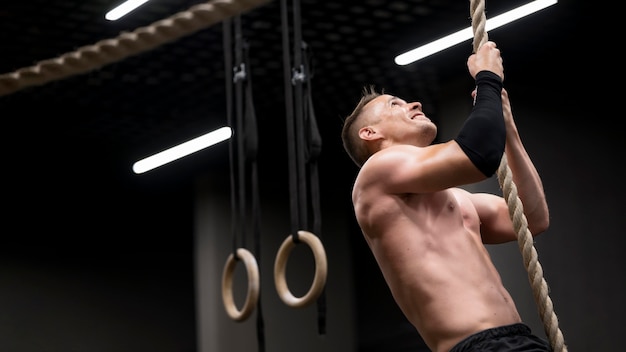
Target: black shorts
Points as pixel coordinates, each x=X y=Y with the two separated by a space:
x=516 y=337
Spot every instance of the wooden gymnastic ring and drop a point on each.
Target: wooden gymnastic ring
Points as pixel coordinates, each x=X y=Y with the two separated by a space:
x=319 y=279
x=252 y=297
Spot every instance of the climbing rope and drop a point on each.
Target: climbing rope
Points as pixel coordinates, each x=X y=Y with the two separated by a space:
x=516 y=212
x=127 y=44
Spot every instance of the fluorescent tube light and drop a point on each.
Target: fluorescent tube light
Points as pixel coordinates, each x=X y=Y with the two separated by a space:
x=467 y=33
x=182 y=150
x=123 y=9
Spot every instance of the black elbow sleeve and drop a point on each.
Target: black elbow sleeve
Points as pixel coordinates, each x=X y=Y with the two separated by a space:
x=483 y=134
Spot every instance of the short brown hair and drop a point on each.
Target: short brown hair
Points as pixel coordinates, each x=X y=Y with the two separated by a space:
x=350 y=133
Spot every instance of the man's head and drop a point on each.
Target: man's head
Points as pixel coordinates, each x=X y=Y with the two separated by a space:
x=380 y=120
x=352 y=143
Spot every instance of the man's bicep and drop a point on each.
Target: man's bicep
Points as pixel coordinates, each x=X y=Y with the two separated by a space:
x=495 y=221
x=436 y=168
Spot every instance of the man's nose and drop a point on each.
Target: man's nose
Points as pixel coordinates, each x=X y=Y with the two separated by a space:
x=415 y=105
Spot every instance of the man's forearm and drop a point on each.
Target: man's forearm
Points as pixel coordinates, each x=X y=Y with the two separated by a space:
x=528 y=182
x=482 y=137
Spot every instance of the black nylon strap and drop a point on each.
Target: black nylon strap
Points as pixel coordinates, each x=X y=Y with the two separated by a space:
x=251 y=152
x=303 y=138
x=291 y=142
x=228 y=67
x=298 y=76
x=314 y=149
x=239 y=76
x=246 y=137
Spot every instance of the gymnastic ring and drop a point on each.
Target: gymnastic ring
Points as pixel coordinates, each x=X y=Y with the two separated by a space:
x=319 y=279
x=252 y=296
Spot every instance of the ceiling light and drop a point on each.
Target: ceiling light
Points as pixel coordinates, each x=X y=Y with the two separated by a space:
x=182 y=150
x=467 y=33
x=123 y=9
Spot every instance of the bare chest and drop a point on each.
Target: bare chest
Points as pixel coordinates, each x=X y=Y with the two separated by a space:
x=434 y=214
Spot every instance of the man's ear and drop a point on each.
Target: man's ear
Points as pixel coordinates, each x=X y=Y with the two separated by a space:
x=368 y=133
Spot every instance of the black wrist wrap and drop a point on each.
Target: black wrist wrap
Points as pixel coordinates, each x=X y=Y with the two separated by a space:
x=482 y=137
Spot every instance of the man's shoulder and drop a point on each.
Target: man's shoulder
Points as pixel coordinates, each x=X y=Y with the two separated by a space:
x=384 y=169
x=383 y=162
x=392 y=155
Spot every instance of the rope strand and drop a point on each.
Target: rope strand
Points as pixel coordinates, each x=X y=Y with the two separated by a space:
x=127 y=44
x=516 y=212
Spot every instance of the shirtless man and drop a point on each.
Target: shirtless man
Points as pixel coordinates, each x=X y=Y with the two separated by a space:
x=426 y=233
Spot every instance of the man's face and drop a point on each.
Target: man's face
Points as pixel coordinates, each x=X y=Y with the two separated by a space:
x=400 y=122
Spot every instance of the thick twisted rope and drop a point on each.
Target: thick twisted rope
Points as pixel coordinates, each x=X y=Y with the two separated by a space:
x=108 y=51
x=516 y=212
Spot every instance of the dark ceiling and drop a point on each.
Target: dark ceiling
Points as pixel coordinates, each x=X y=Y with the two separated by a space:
x=69 y=144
